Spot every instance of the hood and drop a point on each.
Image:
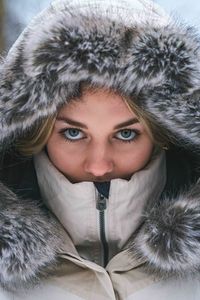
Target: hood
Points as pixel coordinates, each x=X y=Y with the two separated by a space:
x=136 y=49
x=132 y=47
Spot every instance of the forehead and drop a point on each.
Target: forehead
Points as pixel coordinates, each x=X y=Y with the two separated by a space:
x=98 y=102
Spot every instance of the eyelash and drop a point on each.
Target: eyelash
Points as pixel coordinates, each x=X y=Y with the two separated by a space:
x=136 y=131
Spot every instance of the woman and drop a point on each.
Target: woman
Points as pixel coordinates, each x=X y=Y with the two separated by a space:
x=99 y=106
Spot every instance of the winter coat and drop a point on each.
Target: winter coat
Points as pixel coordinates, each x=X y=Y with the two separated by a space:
x=152 y=60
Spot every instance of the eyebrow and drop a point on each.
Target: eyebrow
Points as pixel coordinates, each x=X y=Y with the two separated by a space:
x=71 y=122
x=79 y=124
x=127 y=123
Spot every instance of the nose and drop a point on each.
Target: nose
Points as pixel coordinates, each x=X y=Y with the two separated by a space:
x=99 y=161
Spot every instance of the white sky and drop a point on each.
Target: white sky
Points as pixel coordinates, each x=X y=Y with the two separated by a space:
x=185 y=10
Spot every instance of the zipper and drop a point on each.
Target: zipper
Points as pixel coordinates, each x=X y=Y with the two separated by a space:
x=101 y=206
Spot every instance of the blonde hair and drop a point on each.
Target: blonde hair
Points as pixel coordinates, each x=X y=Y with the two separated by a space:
x=35 y=140
x=160 y=136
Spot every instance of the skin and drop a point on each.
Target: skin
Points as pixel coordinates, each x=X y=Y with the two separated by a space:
x=101 y=148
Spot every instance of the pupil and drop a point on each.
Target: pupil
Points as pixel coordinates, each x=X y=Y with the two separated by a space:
x=126 y=133
x=73 y=132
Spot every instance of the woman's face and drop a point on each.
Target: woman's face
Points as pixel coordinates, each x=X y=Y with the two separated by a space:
x=97 y=138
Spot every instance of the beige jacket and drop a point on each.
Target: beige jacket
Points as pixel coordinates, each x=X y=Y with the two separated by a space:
x=124 y=278
x=75 y=205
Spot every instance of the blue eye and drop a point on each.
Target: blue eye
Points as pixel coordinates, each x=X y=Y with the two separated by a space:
x=127 y=135
x=72 y=134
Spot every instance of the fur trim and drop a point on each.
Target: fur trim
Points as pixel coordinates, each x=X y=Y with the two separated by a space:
x=178 y=110
x=169 y=240
x=26 y=224
x=42 y=71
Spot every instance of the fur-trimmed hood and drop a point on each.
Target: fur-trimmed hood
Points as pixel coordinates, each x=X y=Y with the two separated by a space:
x=151 y=59
x=156 y=60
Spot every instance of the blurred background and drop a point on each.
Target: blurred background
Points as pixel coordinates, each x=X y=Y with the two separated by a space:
x=15 y=14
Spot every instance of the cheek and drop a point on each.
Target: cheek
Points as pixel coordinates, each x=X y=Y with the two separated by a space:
x=137 y=157
x=63 y=155
x=144 y=155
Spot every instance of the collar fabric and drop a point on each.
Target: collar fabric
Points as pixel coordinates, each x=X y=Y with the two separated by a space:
x=74 y=204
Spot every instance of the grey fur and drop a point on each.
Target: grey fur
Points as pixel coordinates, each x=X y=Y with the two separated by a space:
x=181 y=111
x=39 y=74
x=30 y=240
x=169 y=240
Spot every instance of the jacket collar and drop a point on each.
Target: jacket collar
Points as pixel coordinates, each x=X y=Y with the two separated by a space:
x=75 y=204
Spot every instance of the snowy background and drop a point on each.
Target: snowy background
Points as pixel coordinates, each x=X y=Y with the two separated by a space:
x=188 y=11
x=19 y=13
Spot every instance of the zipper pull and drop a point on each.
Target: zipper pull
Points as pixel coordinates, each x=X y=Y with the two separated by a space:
x=101 y=203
